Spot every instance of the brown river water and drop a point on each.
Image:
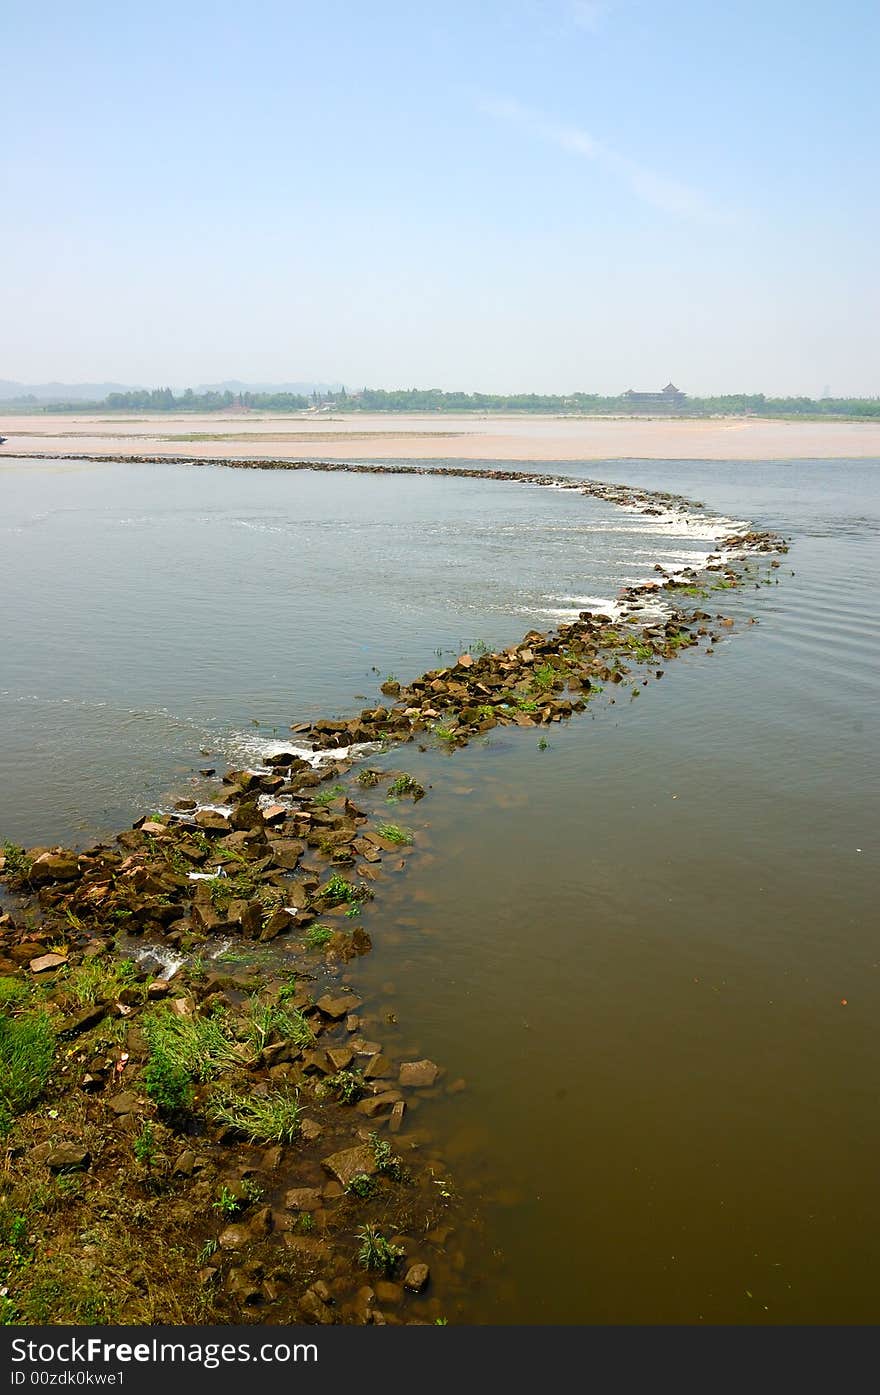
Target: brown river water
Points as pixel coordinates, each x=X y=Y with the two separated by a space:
x=650 y=950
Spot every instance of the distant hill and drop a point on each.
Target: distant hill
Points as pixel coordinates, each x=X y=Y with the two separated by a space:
x=14 y=392
x=11 y=391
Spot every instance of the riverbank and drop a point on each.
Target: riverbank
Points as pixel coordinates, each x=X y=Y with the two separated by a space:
x=465 y=437
x=176 y=1050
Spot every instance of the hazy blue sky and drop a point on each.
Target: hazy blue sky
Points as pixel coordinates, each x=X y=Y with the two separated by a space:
x=500 y=194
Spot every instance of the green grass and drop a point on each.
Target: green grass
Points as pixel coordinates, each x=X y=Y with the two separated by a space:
x=387 y=1161
x=368 y=778
x=27 y=1049
x=405 y=784
x=376 y=1253
x=317 y=936
x=394 y=833
x=17 y=863
x=325 y=797
x=97 y=980
x=346 y=1085
x=338 y=889
x=545 y=677
x=27 y=1046
x=271 y=1019
x=270 y=1118
x=201 y=1045
x=12 y=993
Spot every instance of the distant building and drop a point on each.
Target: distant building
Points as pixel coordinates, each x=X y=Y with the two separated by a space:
x=670 y=397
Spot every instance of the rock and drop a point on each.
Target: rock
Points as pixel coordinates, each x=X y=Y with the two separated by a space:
x=416 y=1278
x=46 y=962
x=82 y=1021
x=336 y=1005
x=387 y=1292
x=234 y=1237
x=419 y=1075
x=314 y=1310
x=272 y=1157
x=310 y=1130
x=124 y=1103
x=377 y=1104
x=153 y=828
x=208 y=1276
x=64 y=1157
x=379 y=1068
x=54 y=867
x=396 y=1119
x=242 y=1286
x=349 y=1163
x=185 y=1164
x=303 y=1199
x=158 y=988
x=260 y=1224
x=212 y=821
x=340 y=1057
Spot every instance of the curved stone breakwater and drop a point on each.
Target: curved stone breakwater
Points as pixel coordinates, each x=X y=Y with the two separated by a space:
x=202 y=1092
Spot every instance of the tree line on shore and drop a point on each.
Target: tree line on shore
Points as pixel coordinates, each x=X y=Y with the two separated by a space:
x=436 y=400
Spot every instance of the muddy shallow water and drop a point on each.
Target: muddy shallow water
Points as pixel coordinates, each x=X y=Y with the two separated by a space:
x=634 y=945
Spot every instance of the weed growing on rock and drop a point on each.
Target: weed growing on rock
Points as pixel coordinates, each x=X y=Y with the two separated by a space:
x=346 y=1085
x=394 y=833
x=16 y=862
x=376 y=1253
x=317 y=936
x=403 y=785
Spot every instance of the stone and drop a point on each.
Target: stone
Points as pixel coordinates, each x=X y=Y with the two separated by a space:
x=419 y=1075
x=387 y=1292
x=310 y=1130
x=153 y=828
x=416 y=1278
x=378 y=1068
x=46 y=962
x=243 y=1287
x=64 y=1157
x=158 y=988
x=303 y=1199
x=54 y=867
x=396 y=1120
x=314 y=1310
x=82 y=1021
x=336 y=1005
x=340 y=1057
x=375 y=1105
x=349 y=1163
x=234 y=1237
x=185 y=1163
x=260 y=1224
x=124 y=1103
x=212 y=821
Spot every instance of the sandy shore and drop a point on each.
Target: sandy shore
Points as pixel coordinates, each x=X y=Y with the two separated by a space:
x=399 y=437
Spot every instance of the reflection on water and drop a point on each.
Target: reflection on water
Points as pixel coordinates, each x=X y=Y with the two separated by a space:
x=634 y=946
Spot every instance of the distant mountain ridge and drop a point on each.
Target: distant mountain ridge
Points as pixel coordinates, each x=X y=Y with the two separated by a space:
x=59 y=392
x=11 y=391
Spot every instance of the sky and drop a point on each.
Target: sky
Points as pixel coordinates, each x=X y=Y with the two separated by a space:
x=496 y=195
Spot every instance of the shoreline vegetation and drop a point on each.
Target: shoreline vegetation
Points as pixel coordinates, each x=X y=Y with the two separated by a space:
x=434 y=400
x=200 y=1119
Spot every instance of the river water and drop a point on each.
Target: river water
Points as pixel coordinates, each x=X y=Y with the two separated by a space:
x=650 y=948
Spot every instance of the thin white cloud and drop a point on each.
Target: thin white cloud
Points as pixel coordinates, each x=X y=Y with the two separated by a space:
x=670 y=195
